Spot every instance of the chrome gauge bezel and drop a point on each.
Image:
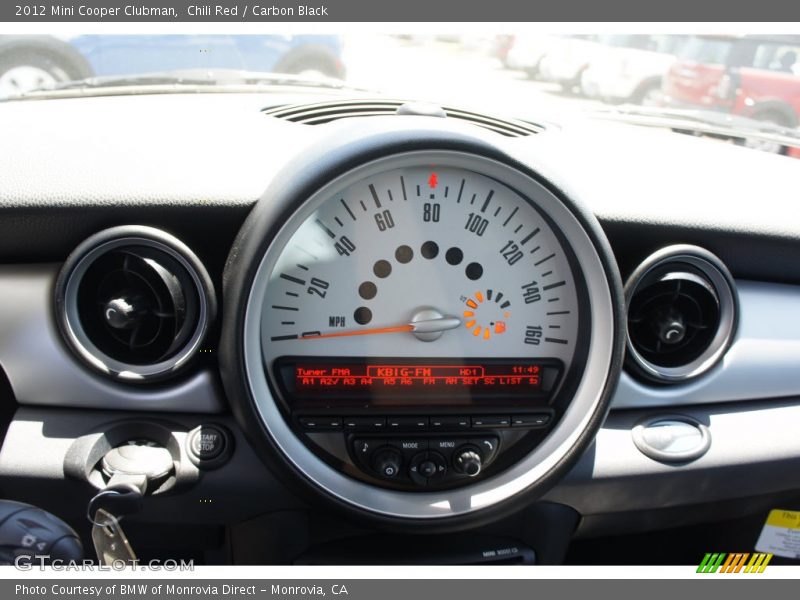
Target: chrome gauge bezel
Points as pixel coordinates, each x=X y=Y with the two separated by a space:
x=530 y=469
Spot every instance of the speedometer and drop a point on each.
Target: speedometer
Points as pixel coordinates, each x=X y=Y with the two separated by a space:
x=424 y=334
x=421 y=262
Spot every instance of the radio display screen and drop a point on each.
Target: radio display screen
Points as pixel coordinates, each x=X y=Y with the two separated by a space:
x=310 y=382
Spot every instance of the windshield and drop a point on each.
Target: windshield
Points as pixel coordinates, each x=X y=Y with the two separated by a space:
x=525 y=75
x=709 y=50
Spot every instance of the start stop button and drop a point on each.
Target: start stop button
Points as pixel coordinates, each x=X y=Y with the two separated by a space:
x=208 y=445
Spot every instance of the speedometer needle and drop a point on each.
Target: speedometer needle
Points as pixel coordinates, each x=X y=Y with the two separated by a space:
x=436 y=325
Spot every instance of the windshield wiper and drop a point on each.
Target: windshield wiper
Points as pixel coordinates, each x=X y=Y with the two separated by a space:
x=703 y=122
x=181 y=81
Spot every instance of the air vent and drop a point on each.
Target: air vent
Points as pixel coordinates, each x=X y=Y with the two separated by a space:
x=326 y=112
x=681 y=314
x=134 y=303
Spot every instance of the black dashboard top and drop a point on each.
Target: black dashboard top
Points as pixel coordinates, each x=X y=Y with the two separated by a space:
x=193 y=163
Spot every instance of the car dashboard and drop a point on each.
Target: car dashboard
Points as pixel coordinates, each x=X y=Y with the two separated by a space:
x=424 y=320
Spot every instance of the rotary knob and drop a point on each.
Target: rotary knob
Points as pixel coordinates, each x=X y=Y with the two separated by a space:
x=387 y=463
x=469 y=462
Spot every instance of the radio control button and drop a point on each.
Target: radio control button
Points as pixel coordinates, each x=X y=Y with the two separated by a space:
x=363 y=447
x=491 y=422
x=407 y=423
x=427 y=468
x=320 y=423
x=445 y=445
x=364 y=423
x=530 y=421
x=468 y=462
x=409 y=446
x=450 y=423
x=487 y=447
x=441 y=466
x=387 y=462
x=414 y=469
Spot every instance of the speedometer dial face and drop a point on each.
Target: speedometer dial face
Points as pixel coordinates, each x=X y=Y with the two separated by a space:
x=420 y=262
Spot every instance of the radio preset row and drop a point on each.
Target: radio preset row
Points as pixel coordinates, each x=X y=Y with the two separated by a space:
x=379 y=424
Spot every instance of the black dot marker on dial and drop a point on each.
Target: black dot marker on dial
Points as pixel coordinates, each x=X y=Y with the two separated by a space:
x=367 y=290
x=362 y=315
x=404 y=254
x=429 y=250
x=382 y=269
x=454 y=256
x=474 y=271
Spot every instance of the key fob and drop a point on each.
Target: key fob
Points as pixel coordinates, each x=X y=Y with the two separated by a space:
x=122 y=499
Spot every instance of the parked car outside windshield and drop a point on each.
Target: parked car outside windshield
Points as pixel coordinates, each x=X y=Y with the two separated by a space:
x=753 y=76
x=31 y=62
